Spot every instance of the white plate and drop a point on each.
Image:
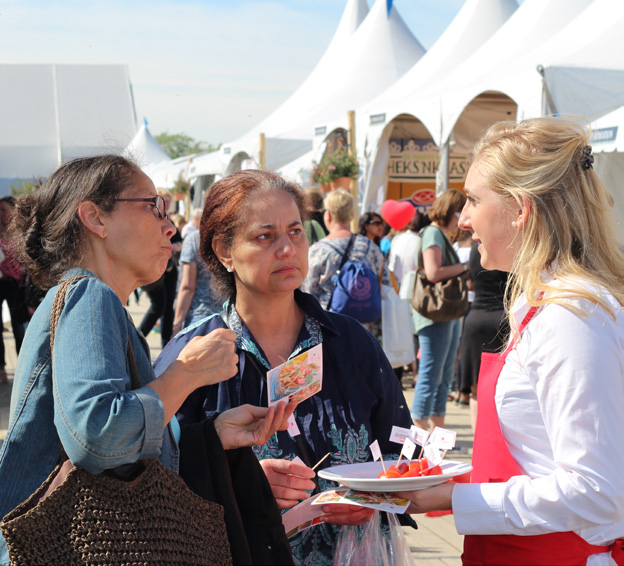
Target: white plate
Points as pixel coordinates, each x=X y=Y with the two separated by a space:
x=363 y=476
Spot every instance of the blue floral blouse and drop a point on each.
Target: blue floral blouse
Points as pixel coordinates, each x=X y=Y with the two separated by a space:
x=360 y=401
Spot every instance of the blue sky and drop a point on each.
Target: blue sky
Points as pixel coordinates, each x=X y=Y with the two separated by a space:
x=210 y=68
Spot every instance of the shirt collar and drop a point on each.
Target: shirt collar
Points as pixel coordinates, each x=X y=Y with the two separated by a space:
x=316 y=322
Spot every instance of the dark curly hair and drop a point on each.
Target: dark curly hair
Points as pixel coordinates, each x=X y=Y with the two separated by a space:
x=46 y=232
x=223 y=214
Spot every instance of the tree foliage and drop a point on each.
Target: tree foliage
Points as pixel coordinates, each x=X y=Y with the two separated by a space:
x=177 y=145
x=22 y=188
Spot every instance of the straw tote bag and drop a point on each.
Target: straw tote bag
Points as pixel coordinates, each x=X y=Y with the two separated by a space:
x=445 y=300
x=151 y=518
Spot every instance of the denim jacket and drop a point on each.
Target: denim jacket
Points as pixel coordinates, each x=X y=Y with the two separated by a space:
x=82 y=397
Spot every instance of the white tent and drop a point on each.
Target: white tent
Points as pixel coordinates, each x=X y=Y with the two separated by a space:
x=288 y=115
x=608 y=146
x=474 y=25
x=52 y=113
x=145 y=150
x=577 y=71
x=356 y=66
x=580 y=58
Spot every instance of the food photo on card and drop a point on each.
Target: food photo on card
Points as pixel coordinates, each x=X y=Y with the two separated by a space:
x=378 y=501
x=297 y=379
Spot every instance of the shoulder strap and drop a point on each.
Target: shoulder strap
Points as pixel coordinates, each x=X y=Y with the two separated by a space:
x=527 y=318
x=55 y=315
x=347 y=251
x=449 y=251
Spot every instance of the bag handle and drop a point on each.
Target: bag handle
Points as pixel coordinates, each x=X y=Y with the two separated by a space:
x=55 y=315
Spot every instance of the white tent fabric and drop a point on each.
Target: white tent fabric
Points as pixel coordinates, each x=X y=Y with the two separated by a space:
x=608 y=146
x=291 y=119
x=610 y=168
x=353 y=70
x=285 y=121
x=165 y=174
x=145 y=150
x=300 y=170
x=474 y=24
x=608 y=132
x=564 y=27
x=53 y=113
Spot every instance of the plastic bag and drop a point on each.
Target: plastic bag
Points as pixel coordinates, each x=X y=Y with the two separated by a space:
x=375 y=544
x=396 y=328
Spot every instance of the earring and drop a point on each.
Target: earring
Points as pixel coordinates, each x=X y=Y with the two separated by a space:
x=229 y=269
x=514 y=223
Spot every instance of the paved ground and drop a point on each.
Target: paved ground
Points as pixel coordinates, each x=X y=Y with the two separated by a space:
x=436 y=541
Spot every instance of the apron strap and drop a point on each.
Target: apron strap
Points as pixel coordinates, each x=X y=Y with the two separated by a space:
x=522 y=326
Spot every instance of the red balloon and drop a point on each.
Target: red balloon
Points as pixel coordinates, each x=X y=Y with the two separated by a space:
x=397 y=213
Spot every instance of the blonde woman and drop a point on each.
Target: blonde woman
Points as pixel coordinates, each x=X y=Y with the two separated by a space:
x=326 y=255
x=548 y=486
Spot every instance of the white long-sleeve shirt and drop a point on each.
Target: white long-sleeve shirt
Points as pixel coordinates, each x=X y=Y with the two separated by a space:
x=560 y=401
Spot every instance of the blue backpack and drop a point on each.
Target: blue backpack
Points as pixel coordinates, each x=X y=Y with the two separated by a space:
x=357 y=293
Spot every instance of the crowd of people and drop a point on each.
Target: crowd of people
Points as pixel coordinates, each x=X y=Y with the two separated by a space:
x=258 y=278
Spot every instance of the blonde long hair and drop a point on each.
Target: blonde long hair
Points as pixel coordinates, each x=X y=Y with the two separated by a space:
x=570 y=230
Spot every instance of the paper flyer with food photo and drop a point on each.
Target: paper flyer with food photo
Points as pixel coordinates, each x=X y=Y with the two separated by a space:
x=388 y=502
x=297 y=379
x=306 y=515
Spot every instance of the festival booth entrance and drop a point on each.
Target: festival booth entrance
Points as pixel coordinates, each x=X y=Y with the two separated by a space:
x=413 y=163
x=414 y=167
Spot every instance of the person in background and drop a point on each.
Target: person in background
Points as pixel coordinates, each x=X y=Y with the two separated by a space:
x=325 y=256
x=547 y=484
x=253 y=242
x=11 y=276
x=178 y=221
x=99 y=222
x=193 y=225
x=438 y=340
x=462 y=243
x=485 y=325
x=314 y=204
x=371 y=225
x=403 y=256
x=196 y=297
x=314 y=229
x=402 y=261
x=162 y=293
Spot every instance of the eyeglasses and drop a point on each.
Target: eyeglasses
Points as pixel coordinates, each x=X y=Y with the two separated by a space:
x=159 y=209
x=375 y=222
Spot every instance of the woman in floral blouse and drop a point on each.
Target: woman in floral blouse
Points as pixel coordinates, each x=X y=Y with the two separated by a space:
x=253 y=242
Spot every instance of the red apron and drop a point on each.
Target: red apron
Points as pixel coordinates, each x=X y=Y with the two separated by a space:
x=492 y=462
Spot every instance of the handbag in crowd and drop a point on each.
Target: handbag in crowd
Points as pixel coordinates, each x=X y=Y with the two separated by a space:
x=445 y=300
x=149 y=516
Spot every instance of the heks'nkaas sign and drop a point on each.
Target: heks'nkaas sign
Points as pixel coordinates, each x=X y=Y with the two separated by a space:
x=418 y=160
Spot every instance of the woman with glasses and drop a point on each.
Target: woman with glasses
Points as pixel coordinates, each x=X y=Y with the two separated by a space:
x=98 y=223
x=371 y=225
x=162 y=293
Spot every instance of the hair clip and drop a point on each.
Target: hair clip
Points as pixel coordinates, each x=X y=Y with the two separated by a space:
x=587 y=159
